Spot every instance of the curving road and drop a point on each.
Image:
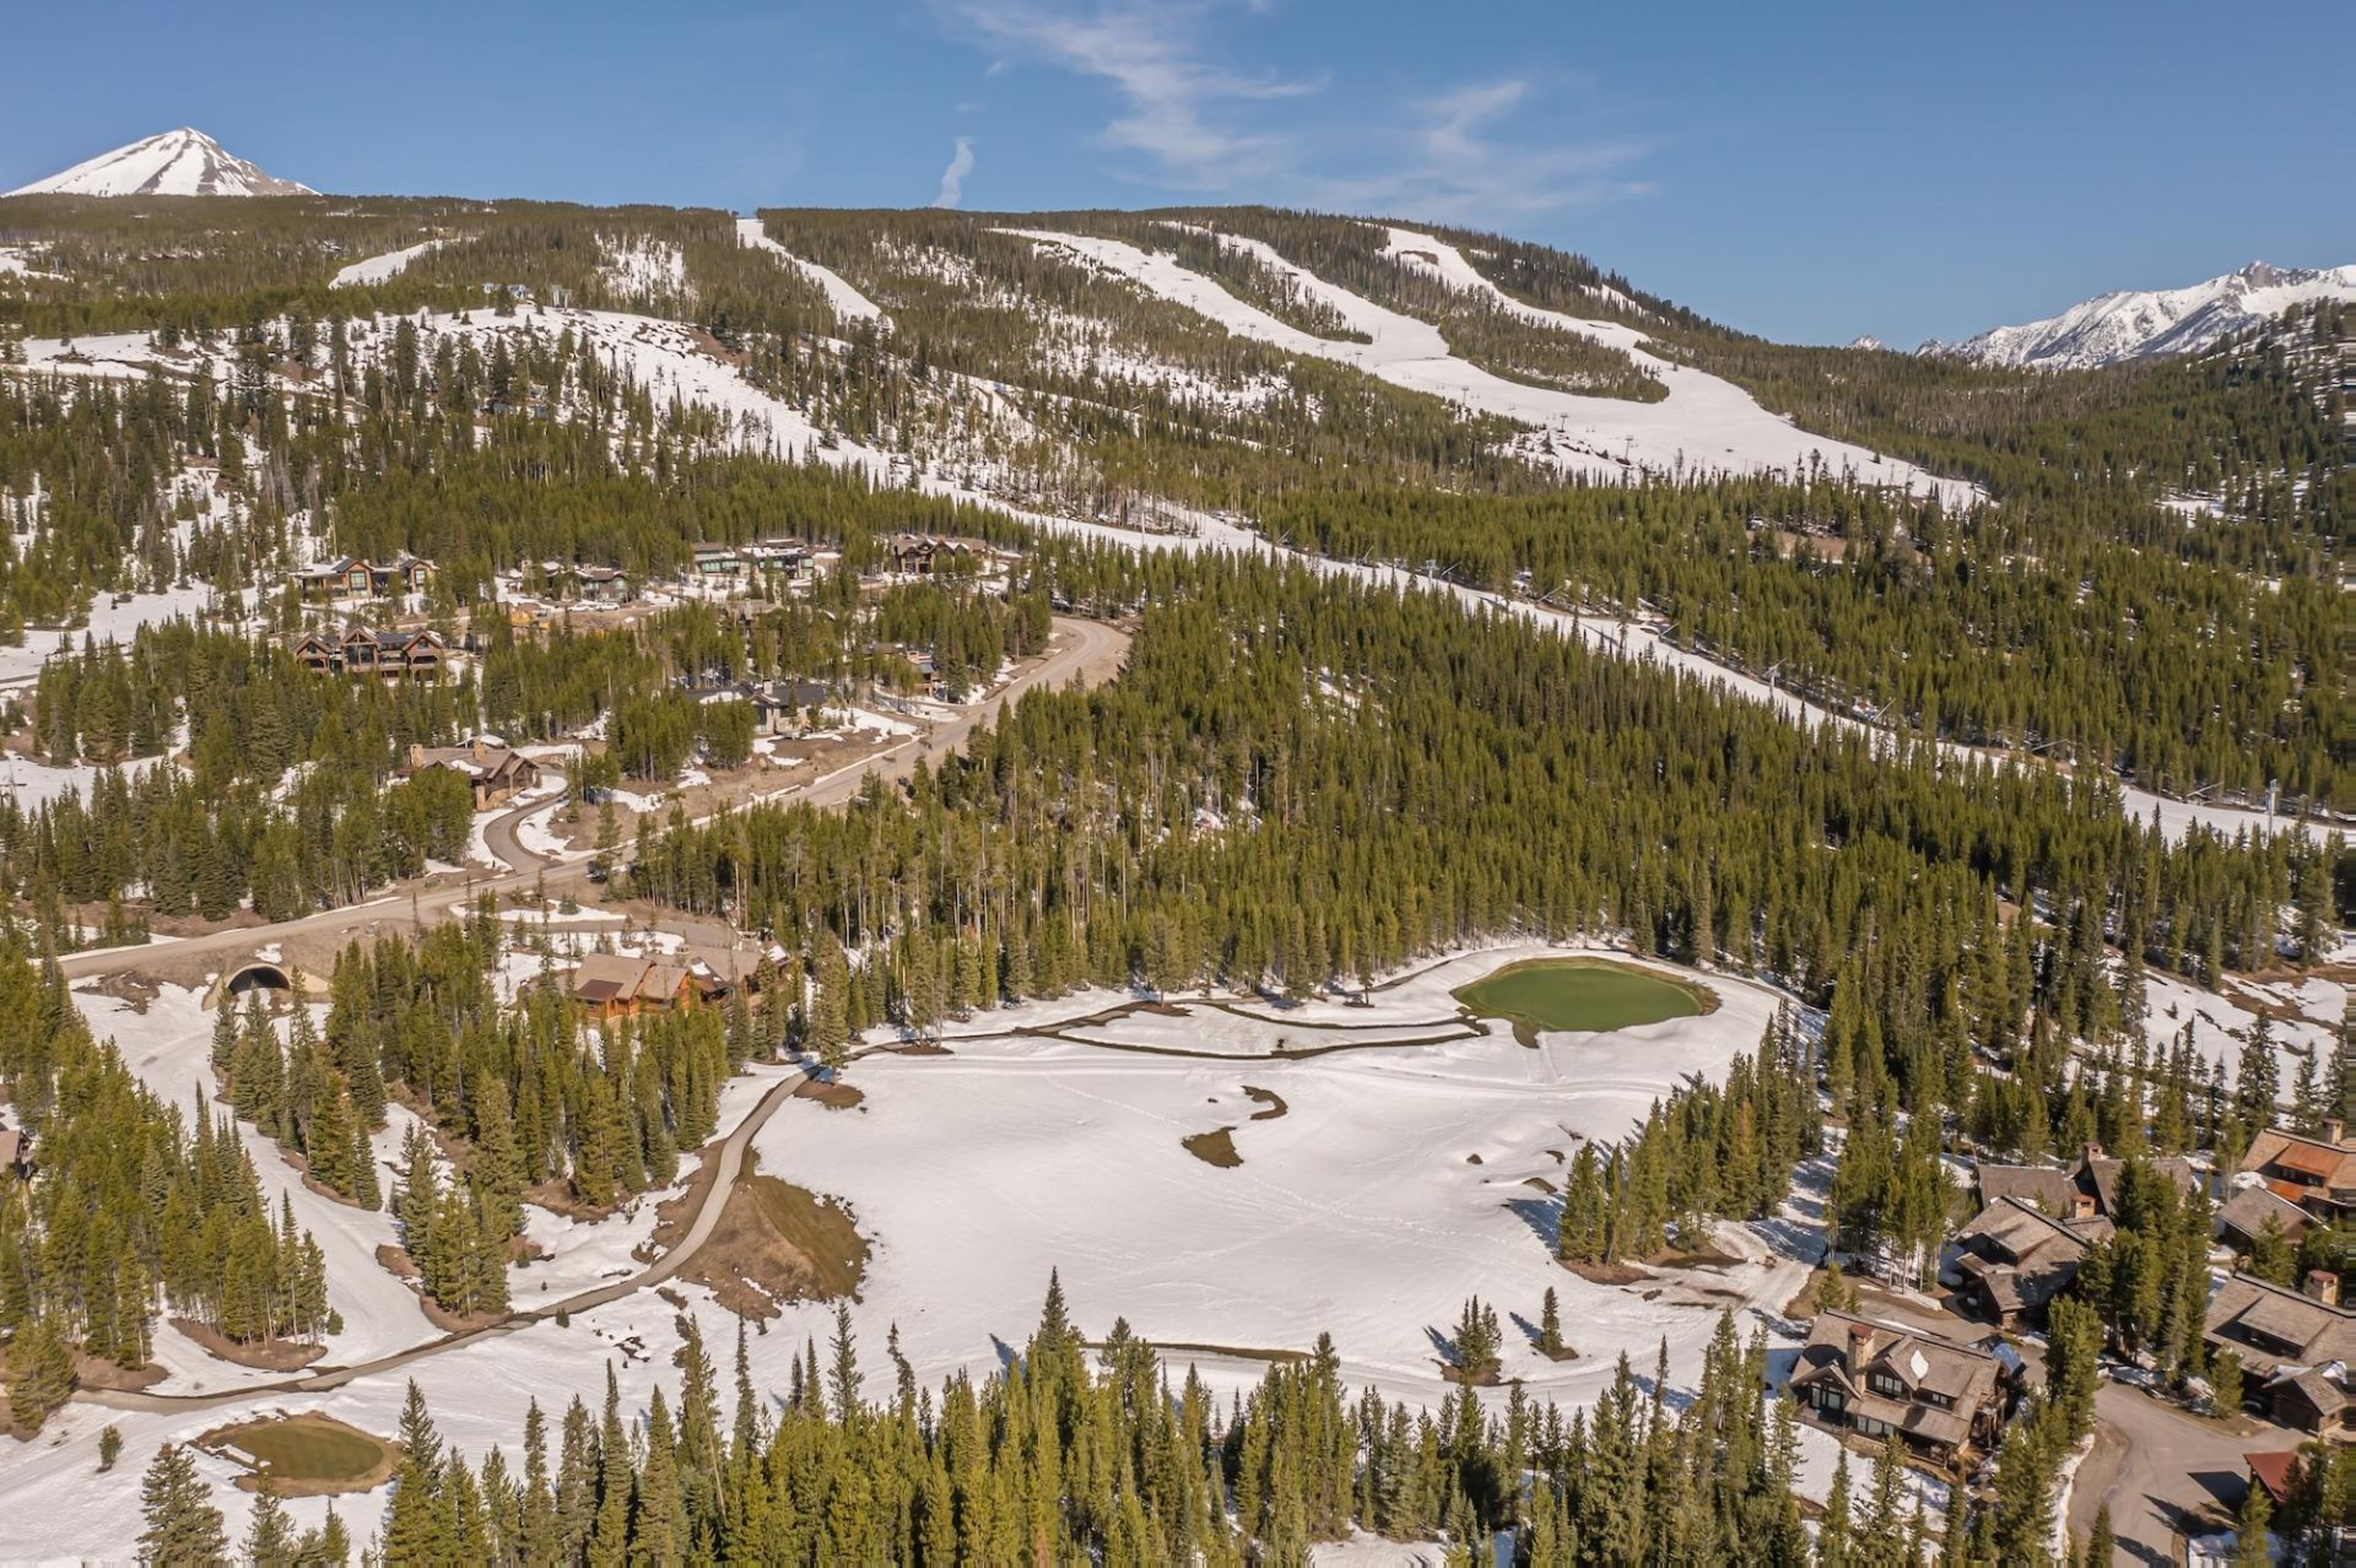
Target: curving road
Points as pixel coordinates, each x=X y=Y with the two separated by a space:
x=1087 y=651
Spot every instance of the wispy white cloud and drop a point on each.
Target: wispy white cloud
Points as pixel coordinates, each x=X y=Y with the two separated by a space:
x=1176 y=106
x=1456 y=163
x=953 y=177
x=1204 y=127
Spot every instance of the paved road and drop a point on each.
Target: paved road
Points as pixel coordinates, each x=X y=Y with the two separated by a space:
x=2161 y=1471
x=1089 y=651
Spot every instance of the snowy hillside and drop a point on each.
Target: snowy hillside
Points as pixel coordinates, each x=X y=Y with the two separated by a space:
x=2132 y=325
x=184 y=161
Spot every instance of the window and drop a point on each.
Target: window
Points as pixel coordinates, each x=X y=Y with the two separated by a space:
x=1871 y=1427
x=1830 y=1400
x=1884 y=1383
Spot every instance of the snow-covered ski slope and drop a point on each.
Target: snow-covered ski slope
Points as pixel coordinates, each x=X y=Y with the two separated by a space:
x=378 y=269
x=848 y=302
x=666 y=356
x=1704 y=426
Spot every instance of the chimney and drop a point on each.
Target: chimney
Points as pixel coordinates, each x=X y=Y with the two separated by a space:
x=1861 y=1346
x=2323 y=1285
x=479 y=747
x=2335 y=1131
x=416 y=755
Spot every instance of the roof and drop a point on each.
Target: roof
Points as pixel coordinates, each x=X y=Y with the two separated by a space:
x=12 y=1143
x=2320 y=1390
x=1926 y=1362
x=2327 y=1163
x=2317 y=1331
x=607 y=976
x=2245 y=1213
x=2277 y=1472
x=2044 y=1187
x=661 y=982
x=2022 y=1256
x=2059 y=1190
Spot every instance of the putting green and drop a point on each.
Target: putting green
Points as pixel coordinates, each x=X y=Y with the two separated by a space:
x=1587 y=995
x=306 y=1455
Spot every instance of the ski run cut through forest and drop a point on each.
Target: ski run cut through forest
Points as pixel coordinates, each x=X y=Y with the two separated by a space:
x=1218 y=884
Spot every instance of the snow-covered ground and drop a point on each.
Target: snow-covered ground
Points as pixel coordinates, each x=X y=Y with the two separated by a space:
x=1359 y=1209
x=108 y=622
x=848 y=302
x=2221 y=1028
x=1705 y=424
x=643 y=266
x=168 y=1048
x=379 y=269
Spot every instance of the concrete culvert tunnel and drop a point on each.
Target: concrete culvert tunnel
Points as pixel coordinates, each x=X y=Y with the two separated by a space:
x=258 y=976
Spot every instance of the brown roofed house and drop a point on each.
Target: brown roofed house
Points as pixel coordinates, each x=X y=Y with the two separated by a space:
x=496 y=773
x=2015 y=1258
x=2242 y=1217
x=2297 y=1343
x=2080 y=1191
x=1944 y=1398
x=2316 y=1174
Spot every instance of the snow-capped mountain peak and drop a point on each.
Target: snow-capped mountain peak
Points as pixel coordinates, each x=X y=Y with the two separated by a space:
x=2135 y=324
x=184 y=161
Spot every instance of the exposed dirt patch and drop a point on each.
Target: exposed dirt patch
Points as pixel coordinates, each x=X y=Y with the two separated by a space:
x=396 y=1261
x=1271 y=1104
x=131 y=989
x=1241 y=1352
x=1217 y=1147
x=776 y=1243
x=305 y=1456
x=920 y=1048
x=1605 y=1274
x=559 y=1199
x=1473 y=1159
x=92 y=1373
x=1483 y=1376
x=835 y=1096
x=267 y=1355
x=675 y=1212
x=1540 y=1182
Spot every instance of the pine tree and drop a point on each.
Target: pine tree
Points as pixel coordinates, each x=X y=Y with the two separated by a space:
x=183 y=1525
x=1550 y=1326
x=270 y=1534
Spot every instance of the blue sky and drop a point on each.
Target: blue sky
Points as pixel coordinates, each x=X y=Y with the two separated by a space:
x=1807 y=171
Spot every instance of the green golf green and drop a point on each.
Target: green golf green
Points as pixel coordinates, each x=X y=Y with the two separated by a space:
x=1586 y=995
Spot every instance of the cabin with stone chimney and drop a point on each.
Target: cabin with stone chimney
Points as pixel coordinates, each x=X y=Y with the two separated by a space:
x=1946 y=1400
x=2293 y=1347
x=2316 y=1174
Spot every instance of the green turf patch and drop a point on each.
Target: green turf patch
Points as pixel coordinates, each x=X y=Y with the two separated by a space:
x=1583 y=995
x=305 y=1456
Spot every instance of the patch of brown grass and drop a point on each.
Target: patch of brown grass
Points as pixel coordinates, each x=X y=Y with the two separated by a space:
x=305 y=1456
x=1271 y=1102
x=777 y=1242
x=1217 y=1147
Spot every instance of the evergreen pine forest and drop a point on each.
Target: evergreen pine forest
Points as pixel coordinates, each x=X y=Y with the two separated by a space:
x=1300 y=782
